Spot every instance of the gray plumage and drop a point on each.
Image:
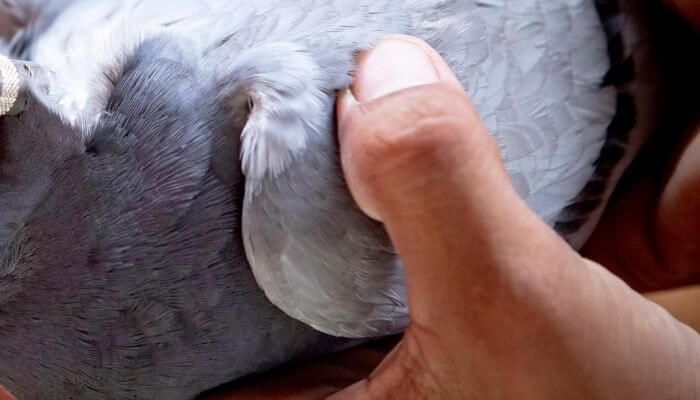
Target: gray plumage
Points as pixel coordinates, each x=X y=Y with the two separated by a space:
x=122 y=273
x=130 y=226
x=533 y=70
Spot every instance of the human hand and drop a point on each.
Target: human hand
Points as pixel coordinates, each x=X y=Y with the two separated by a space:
x=623 y=309
x=500 y=306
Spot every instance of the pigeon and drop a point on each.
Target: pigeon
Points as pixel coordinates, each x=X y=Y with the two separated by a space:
x=174 y=214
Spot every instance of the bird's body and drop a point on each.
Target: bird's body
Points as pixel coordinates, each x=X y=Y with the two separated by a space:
x=130 y=223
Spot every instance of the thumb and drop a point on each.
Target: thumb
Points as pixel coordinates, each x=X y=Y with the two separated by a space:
x=500 y=306
x=5 y=395
x=417 y=156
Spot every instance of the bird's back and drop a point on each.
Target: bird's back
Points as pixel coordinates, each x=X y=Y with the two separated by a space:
x=127 y=276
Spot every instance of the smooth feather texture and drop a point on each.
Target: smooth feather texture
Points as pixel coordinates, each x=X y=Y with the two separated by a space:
x=533 y=70
x=126 y=215
x=122 y=271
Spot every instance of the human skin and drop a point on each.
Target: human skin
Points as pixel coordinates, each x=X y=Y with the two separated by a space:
x=500 y=306
x=504 y=309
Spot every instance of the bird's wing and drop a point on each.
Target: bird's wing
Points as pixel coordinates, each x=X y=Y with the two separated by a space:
x=533 y=70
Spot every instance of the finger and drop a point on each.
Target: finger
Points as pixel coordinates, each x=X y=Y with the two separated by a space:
x=417 y=156
x=5 y=395
x=495 y=296
x=396 y=63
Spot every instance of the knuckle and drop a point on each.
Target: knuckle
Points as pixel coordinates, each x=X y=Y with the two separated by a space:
x=426 y=123
x=416 y=134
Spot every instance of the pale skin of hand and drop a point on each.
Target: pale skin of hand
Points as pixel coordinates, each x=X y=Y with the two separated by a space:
x=500 y=306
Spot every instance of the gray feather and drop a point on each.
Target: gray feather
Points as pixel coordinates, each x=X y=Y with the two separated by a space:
x=131 y=228
x=123 y=274
x=533 y=71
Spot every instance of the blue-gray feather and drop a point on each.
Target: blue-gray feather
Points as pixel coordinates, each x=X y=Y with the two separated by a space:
x=129 y=221
x=127 y=277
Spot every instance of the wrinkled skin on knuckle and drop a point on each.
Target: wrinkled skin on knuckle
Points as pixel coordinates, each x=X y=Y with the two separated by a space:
x=420 y=121
x=407 y=374
x=428 y=128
